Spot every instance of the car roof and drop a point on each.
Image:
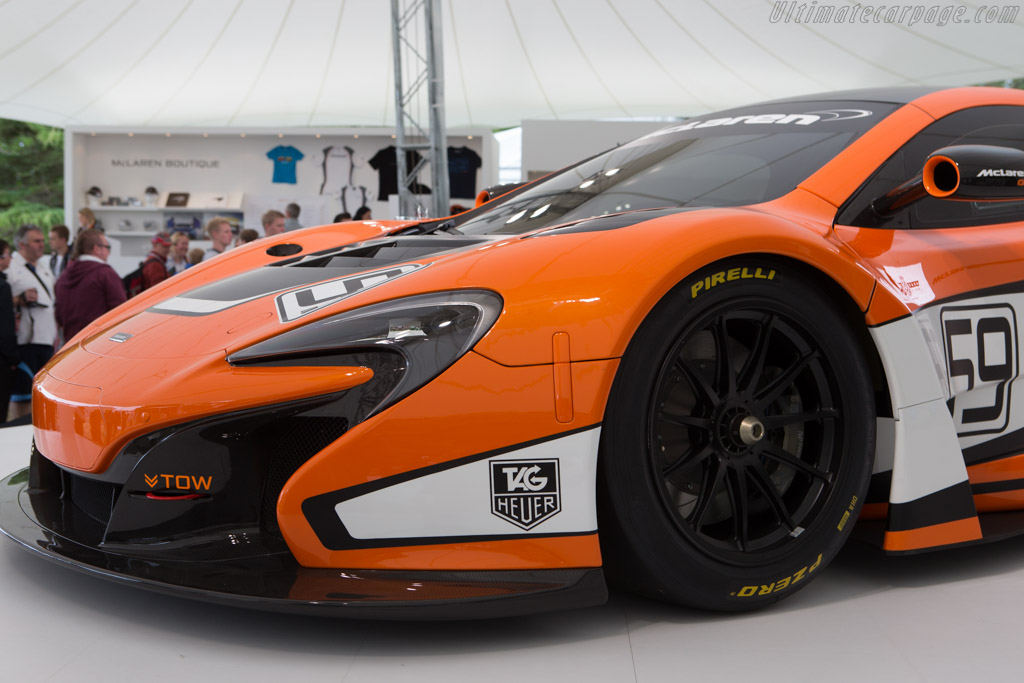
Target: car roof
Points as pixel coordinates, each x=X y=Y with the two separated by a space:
x=897 y=95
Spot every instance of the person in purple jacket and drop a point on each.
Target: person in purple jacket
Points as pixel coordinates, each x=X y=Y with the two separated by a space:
x=89 y=287
x=9 y=358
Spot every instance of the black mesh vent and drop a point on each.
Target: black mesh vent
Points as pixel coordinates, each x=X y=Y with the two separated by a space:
x=292 y=441
x=94 y=498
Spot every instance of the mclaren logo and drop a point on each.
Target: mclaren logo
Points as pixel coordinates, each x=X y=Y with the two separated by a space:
x=300 y=302
x=525 y=492
x=1000 y=173
x=840 y=114
x=804 y=119
x=121 y=337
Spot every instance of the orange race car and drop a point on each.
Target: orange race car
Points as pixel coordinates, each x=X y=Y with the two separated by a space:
x=692 y=363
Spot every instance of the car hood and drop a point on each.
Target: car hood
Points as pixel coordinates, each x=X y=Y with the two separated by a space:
x=243 y=306
x=247 y=304
x=258 y=295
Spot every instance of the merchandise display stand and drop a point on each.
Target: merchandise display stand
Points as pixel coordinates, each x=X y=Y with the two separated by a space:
x=240 y=174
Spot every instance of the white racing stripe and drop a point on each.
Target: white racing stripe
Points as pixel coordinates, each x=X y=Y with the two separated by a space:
x=297 y=303
x=510 y=494
x=181 y=304
x=926 y=456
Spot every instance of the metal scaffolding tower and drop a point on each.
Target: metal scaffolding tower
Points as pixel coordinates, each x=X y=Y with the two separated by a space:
x=419 y=115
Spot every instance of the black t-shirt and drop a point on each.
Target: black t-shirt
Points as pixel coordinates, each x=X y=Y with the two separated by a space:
x=462 y=165
x=385 y=162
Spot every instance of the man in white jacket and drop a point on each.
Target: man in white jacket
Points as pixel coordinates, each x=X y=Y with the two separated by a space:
x=32 y=288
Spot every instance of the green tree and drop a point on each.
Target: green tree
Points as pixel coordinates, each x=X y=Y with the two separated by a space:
x=31 y=175
x=1017 y=83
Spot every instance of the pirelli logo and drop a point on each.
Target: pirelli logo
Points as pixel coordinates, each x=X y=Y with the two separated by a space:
x=525 y=492
x=731 y=275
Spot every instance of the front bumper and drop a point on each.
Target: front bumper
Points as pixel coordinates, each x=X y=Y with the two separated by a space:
x=43 y=523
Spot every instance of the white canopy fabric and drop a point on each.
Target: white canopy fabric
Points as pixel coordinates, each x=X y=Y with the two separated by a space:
x=317 y=63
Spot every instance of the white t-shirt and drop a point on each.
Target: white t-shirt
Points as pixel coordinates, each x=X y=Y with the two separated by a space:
x=337 y=165
x=355 y=196
x=212 y=253
x=41 y=326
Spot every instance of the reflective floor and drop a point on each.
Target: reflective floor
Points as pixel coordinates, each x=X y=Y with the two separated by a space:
x=950 y=616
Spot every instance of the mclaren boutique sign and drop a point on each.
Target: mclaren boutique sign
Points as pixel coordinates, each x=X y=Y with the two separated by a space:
x=166 y=163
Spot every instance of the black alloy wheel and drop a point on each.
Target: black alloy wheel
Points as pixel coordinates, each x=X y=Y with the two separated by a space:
x=743 y=441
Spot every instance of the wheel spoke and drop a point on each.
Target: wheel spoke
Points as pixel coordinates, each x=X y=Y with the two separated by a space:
x=772 y=391
x=767 y=487
x=736 y=482
x=754 y=366
x=713 y=475
x=776 y=421
x=724 y=378
x=690 y=457
x=778 y=454
x=703 y=423
x=699 y=383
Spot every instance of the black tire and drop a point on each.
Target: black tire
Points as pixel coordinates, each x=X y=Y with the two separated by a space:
x=730 y=485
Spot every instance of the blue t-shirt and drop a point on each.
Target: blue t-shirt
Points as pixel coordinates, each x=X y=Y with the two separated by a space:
x=284 y=159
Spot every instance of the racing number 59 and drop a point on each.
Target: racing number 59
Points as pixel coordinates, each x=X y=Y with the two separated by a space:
x=980 y=344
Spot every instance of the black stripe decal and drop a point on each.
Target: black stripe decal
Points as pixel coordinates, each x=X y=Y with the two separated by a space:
x=998 y=486
x=320 y=510
x=879 y=488
x=948 y=505
x=1007 y=445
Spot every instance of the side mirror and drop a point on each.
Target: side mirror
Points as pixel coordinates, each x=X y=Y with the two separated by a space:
x=974 y=173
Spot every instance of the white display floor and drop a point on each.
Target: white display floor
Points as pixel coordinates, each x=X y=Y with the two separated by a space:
x=950 y=616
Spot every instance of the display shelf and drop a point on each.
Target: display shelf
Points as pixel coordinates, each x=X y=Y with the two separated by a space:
x=169 y=209
x=135 y=241
x=243 y=173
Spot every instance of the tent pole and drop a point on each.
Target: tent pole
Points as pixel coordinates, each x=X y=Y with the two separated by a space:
x=416 y=131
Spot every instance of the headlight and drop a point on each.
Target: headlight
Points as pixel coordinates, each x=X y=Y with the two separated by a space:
x=429 y=332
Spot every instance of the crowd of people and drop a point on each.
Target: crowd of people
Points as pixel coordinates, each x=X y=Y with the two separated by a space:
x=45 y=300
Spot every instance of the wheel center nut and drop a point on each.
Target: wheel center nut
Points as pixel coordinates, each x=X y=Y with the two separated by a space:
x=751 y=430
x=738 y=430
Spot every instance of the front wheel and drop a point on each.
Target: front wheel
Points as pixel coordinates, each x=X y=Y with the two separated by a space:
x=738 y=440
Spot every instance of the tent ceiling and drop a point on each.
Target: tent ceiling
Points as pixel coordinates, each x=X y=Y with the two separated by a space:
x=254 y=63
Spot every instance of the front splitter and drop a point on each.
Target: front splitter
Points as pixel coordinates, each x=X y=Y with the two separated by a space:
x=278 y=583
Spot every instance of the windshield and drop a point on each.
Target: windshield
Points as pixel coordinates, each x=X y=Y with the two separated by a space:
x=731 y=158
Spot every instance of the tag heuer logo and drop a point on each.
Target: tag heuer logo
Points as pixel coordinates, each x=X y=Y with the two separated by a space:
x=525 y=492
